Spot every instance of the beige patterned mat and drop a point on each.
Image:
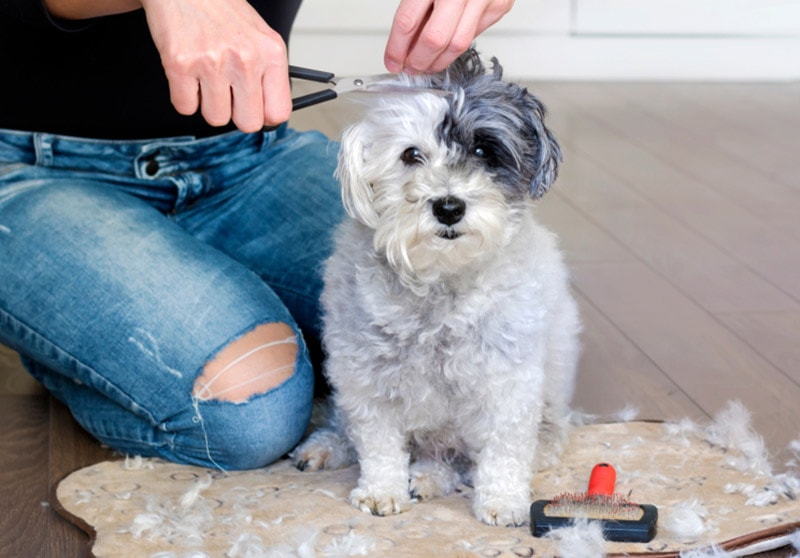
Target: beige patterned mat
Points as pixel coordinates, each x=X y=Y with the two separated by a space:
x=710 y=487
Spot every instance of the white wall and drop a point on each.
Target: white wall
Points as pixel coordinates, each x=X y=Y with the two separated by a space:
x=583 y=39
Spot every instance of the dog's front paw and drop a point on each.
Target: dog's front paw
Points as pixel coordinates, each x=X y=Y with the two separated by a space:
x=380 y=504
x=324 y=449
x=497 y=511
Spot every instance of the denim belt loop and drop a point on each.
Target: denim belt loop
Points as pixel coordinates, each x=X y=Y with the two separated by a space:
x=43 y=147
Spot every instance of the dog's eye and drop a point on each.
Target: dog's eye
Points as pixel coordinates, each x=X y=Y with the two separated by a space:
x=486 y=154
x=412 y=156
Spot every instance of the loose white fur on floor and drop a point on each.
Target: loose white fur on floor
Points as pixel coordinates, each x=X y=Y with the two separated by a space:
x=626 y=414
x=188 y=521
x=794 y=462
x=682 y=430
x=449 y=326
x=287 y=513
x=583 y=539
x=712 y=552
x=685 y=521
x=731 y=428
x=795 y=541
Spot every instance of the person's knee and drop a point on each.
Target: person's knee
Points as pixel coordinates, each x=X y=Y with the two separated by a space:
x=253 y=434
x=255 y=363
x=250 y=447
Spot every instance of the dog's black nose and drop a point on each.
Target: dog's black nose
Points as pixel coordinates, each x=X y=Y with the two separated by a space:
x=449 y=210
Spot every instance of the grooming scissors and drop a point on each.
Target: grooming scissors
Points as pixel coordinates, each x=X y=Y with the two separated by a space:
x=338 y=85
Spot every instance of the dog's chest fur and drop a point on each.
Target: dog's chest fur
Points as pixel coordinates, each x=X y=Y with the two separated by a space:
x=437 y=354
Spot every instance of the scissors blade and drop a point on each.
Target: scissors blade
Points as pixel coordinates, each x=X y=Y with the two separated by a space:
x=361 y=83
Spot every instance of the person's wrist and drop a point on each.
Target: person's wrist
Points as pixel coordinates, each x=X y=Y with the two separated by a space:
x=87 y=9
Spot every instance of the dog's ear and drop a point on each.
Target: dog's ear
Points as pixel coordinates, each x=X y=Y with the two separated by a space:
x=548 y=150
x=356 y=191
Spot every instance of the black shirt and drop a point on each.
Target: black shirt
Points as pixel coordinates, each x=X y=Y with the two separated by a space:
x=100 y=78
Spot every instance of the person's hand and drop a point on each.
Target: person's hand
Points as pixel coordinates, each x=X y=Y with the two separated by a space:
x=427 y=35
x=221 y=57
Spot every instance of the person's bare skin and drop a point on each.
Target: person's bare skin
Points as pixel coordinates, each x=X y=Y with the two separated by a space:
x=427 y=35
x=222 y=59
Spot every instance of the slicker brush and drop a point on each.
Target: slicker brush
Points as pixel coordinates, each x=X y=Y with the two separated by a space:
x=620 y=519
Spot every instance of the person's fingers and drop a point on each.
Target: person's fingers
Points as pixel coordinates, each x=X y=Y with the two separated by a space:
x=215 y=100
x=466 y=31
x=222 y=58
x=408 y=20
x=184 y=94
x=261 y=95
x=277 y=100
x=275 y=87
x=247 y=113
x=436 y=35
x=492 y=13
x=427 y=35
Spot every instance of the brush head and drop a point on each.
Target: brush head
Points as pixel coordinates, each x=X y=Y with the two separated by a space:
x=593 y=506
x=621 y=521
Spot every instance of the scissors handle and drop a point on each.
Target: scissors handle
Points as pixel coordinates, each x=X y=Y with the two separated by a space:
x=311 y=75
x=313 y=99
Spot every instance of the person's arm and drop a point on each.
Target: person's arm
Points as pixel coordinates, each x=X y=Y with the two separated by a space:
x=427 y=35
x=219 y=56
x=86 y=9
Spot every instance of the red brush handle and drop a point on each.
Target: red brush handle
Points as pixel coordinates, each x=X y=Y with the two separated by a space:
x=602 y=480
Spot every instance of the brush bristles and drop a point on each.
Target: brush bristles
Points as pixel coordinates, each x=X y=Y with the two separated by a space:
x=580 y=505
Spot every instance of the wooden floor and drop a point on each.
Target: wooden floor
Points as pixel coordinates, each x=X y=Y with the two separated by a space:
x=678 y=207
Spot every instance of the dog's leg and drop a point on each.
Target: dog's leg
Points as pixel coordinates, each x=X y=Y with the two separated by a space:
x=431 y=478
x=502 y=485
x=384 y=460
x=553 y=436
x=504 y=464
x=563 y=352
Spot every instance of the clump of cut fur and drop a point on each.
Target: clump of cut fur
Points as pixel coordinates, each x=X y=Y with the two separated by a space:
x=731 y=429
x=794 y=461
x=185 y=522
x=582 y=539
x=685 y=521
x=682 y=430
x=745 y=451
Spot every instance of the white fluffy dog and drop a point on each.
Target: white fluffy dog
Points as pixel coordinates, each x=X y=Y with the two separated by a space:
x=451 y=334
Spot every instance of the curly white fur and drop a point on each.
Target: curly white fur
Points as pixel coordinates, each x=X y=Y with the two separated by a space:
x=582 y=539
x=686 y=521
x=450 y=329
x=732 y=429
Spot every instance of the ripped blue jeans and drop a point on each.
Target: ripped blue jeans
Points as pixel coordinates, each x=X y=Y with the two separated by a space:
x=126 y=266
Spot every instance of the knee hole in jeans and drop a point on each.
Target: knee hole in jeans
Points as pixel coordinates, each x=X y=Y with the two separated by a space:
x=255 y=363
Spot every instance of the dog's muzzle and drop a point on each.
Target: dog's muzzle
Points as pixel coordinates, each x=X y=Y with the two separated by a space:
x=449 y=211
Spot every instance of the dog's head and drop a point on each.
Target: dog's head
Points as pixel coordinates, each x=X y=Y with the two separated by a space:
x=443 y=172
